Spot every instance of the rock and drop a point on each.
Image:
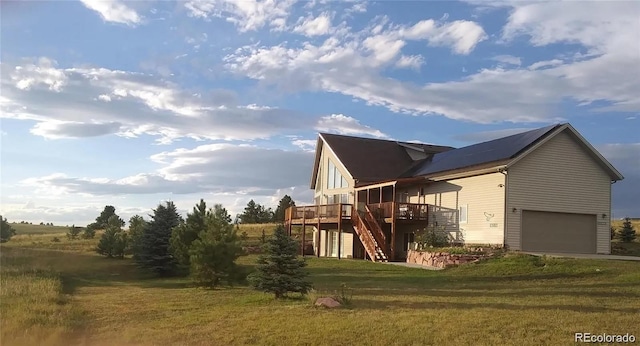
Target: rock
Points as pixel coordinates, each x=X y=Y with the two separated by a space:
x=327 y=302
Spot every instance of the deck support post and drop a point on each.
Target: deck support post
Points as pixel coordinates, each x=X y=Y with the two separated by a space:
x=339 y=228
x=318 y=238
x=304 y=230
x=393 y=225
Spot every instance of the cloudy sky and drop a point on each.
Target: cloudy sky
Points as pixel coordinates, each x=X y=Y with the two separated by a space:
x=133 y=103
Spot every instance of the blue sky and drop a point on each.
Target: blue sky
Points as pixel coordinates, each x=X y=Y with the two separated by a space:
x=133 y=103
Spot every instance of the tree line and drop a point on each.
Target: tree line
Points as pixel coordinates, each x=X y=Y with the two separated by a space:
x=204 y=245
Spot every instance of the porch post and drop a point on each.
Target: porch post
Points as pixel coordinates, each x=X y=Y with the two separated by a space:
x=318 y=239
x=393 y=225
x=368 y=198
x=339 y=228
x=304 y=230
x=380 y=200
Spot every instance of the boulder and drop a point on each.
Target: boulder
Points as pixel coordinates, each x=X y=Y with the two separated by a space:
x=327 y=302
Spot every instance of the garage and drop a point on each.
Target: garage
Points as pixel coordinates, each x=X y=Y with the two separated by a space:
x=558 y=232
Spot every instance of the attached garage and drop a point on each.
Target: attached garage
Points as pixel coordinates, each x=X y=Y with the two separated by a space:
x=558 y=232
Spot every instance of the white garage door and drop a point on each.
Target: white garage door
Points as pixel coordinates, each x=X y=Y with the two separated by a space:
x=558 y=232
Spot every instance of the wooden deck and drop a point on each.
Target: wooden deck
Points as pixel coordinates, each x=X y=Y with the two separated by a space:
x=335 y=213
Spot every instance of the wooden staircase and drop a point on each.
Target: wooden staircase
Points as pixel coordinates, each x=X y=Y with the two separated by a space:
x=371 y=235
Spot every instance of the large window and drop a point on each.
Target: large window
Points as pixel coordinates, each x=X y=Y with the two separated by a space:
x=335 y=180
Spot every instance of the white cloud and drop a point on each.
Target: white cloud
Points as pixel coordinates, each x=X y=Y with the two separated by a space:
x=60 y=129
x=318 y=26
x=353 y=64
x=80 y=102
x=546 y=63
x=206 y=169
x=346 y=125
x=305 y=144
x=410 y=61
x=508 y=60
x=114 y=11
x=247 y=15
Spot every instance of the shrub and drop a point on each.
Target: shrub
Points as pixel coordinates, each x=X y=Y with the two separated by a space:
x=613 y=232
x=6 y=231
x=431 y=237
x=55 y=240
x=345 y=295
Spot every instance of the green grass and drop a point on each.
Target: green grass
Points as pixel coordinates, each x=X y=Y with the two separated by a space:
x=61 y=294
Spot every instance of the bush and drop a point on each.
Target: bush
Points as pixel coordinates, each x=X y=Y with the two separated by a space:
x=431 y=237
x=55 y=240
x=6 y=231
x=613 y=232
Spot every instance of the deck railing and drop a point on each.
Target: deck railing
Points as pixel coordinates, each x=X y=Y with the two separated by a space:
x=384 y=210
x=324 y=211
x=404 y=211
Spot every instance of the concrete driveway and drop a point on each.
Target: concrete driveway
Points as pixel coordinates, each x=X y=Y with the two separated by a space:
x=587 y=256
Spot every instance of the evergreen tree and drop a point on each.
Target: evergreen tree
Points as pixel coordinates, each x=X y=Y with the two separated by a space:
x=6 y=231
x=74 y=232
x=186 y=233
x=89 y=231
x=250 y=214
x=279 y=271
x=627 y=233
x=214 y=253
x=136 y=229
x=103 y=220
x=284 y=203
x=154 y=252
x=113 y=241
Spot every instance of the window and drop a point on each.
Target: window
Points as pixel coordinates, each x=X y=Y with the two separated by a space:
x=335 y=180
x=344 y=198
x=463 y=213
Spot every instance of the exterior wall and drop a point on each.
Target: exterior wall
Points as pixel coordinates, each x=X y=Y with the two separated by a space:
x=346 y=246
x=321 y=189
x=559 y=176
x=484 y=197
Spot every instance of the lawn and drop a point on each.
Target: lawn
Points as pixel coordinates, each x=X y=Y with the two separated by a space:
x=61 y=293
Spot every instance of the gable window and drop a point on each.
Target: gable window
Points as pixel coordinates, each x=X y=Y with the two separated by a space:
x=463 y=213
x=335 y=180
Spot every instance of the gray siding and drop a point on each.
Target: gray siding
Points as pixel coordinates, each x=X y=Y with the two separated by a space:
x=559 y=176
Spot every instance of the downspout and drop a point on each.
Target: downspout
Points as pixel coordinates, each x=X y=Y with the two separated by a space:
x=506 y=195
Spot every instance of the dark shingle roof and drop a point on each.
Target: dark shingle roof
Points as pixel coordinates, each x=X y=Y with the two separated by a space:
x=478 y=154
x=371 y=160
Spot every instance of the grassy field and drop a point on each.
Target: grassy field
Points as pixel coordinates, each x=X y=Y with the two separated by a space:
x=25 y=229
x=61 y=293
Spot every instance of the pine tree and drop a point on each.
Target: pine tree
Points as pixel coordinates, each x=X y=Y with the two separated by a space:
x=74 y=232
x=285 y=202
x=154 y=252
x=214 y=253
x=113 y=241
x=627 y=233
x=186 y=233
x=136 y=229
x=279 y=271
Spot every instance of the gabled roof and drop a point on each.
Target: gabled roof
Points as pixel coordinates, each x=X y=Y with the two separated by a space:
x=370 y=160
x=500 y=149
x=374 y=160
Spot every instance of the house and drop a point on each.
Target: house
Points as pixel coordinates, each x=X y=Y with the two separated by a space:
x=545 y=190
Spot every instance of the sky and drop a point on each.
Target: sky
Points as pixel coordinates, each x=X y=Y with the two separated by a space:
x=133 y=103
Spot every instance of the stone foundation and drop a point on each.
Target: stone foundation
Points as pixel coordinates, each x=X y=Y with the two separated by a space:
x=441 y=259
